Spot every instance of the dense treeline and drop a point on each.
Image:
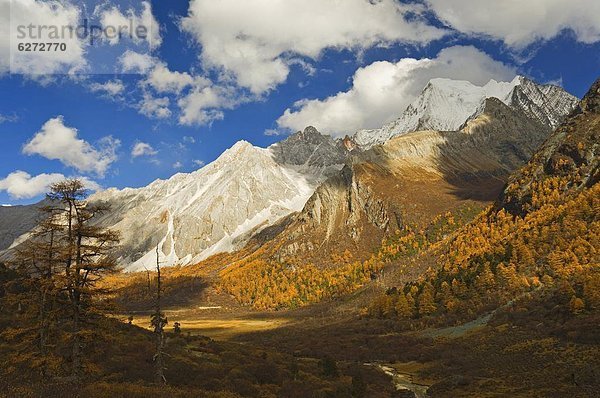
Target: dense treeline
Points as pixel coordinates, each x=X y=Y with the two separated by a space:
x=555 y=246
x=263 y=283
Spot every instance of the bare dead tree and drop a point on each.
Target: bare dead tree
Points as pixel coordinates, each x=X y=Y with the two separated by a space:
x=159 y=321
x=148 y=279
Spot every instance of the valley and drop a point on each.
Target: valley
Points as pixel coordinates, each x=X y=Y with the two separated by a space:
x=300 y=199
x=461 y=261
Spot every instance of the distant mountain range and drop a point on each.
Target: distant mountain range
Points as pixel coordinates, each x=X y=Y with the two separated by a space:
x=407 y=181
x=317 y=190
x=444 y=105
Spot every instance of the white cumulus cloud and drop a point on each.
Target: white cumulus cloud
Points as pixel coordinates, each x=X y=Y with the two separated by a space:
x=21 y=185
x=200 y=101
x=155 y=107
x=57 y=141
x=142 y=149
x=111 y=87
x=255 y=41
x=163 y=80
x=134 y=62
x=382 y=90
x=112 y=18
x=205 y=103
x=22 y=13
x=520 y=23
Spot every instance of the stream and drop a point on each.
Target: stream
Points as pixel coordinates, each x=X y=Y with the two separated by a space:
x=402 y=381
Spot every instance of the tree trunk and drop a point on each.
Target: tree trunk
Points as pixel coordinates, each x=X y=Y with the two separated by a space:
x=76 y=301
x=159 y=323
x=76 y=348
x=43 y=322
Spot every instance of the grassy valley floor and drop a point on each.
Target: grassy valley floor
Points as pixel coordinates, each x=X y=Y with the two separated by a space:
x=520 y=350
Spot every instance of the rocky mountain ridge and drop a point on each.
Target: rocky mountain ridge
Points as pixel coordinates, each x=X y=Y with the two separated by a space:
x=410 y=179
x=445 y=105
x=569 y=158
x=217 y=208
x=337 y=187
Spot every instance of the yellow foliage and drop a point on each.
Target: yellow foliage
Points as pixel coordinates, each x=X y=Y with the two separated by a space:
x=556 y=245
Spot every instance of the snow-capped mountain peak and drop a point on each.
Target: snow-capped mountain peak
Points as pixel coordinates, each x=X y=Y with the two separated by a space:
x=218 y=207
x=445 y=105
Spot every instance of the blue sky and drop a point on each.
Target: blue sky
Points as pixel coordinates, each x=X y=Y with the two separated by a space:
x=244 y=94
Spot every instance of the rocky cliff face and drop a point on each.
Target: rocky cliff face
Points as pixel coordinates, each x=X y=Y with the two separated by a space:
x=309 y=149
x=571 y=154
x=410 y=179
x=549 y=104
x=16 y=221
x=347 y=210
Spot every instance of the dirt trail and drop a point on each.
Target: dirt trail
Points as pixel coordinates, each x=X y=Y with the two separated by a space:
x=457 y=331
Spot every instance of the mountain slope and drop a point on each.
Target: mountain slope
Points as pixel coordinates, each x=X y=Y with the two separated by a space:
x=409 y=180
x=309 y=149
x=539 y=244
x=445 y=104
x=569 y=158
x=217 y=208
x=16 y=221
x=212 y=210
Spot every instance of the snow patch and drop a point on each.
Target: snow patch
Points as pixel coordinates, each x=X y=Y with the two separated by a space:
x=148 y=261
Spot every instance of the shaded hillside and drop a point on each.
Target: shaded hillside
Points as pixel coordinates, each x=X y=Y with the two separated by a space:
x=541 y=240
x=409 y=194
x=408 y=181
x=16 y=221
x=569 y=158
